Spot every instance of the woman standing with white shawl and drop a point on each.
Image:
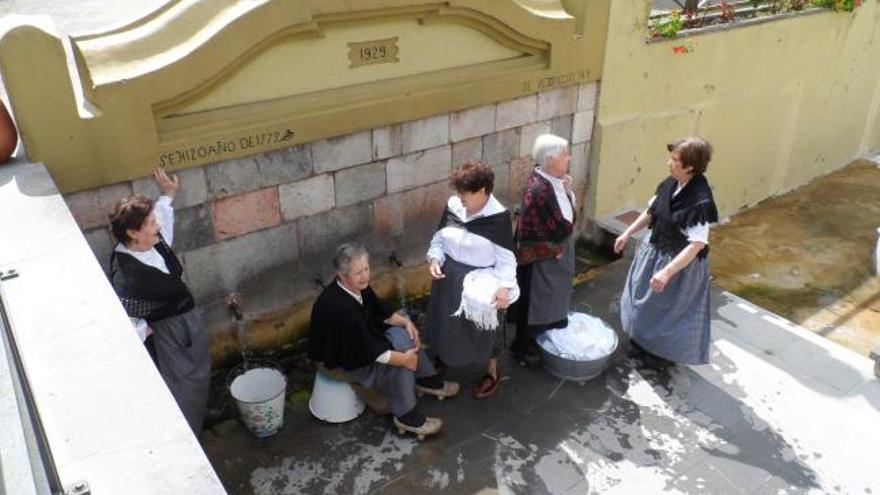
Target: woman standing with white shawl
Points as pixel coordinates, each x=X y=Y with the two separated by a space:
x=474 y=237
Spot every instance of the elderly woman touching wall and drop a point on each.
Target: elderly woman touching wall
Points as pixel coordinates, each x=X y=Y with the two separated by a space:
x=544 y=248
x=147 y=277
x=665 y=302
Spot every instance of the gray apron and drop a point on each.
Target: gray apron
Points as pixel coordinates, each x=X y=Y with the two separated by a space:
x=456 y=339
x=550 y=289
x=184 y=355
x=673 y=324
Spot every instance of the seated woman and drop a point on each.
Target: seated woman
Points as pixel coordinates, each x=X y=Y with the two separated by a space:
x=376 y=347
x=147 y=277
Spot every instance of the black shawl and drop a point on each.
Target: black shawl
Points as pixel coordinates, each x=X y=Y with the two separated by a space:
x=669 y=216
x=147 y=292
x=345 y=334
x=497 y=228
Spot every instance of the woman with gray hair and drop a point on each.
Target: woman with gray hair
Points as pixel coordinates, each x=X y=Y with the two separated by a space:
x=544 y=248
x=353 y=330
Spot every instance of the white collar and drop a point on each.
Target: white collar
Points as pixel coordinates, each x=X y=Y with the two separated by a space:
x=566 y=202
x=358 y=297
x=553 y=180
x=492 y=207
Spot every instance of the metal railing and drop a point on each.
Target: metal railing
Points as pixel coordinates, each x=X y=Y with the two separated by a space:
x=44 y=473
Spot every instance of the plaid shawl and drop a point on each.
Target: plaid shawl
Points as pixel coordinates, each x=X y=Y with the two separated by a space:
x=541 y=230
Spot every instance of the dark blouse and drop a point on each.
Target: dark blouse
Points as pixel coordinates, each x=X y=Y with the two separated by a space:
x=345 y=334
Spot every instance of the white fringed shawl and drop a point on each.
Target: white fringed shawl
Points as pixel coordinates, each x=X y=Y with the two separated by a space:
x=477 y=299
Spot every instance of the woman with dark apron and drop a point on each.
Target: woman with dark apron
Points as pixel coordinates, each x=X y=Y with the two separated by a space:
x=475 y=232
x=544 y=248
x=665 y=302
x=147 y=277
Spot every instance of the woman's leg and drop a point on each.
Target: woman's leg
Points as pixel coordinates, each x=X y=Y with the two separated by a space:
x=490 y=382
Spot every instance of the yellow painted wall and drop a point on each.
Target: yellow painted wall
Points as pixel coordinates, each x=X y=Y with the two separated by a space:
x=782 y=101
x=197 y=76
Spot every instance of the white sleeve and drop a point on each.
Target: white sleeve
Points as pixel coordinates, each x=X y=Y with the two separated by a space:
x=384 y=357
x=697 y=233
x=652 y=200
x=435 y=250
x=165 y=215
x=140 y=326
x=505 y=270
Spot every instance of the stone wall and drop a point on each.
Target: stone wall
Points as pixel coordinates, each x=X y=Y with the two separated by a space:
x=266 y=225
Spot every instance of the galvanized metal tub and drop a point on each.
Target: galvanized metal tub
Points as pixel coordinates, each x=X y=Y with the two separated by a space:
x=572 y=369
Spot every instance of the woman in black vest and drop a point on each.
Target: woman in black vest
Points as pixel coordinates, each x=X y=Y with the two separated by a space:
x=665 y=302
x=147 y=277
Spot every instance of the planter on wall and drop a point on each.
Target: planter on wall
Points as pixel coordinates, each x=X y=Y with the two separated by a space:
x=8 y=134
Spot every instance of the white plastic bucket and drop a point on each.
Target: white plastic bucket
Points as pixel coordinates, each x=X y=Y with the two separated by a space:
x=259 y=394
x=334 y=401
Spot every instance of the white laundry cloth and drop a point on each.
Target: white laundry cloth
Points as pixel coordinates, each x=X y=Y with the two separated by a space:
x=584 y=339
x=477 y=298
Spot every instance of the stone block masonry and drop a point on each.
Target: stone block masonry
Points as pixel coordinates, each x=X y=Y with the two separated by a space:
x=268 y=224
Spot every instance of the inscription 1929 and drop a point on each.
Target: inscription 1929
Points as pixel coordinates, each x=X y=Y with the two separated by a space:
x=373 y=52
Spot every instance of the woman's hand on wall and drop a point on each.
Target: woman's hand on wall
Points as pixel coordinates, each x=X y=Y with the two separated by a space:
x=168 y=184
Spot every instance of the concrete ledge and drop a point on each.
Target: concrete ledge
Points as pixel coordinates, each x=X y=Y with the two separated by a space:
x=108 y=416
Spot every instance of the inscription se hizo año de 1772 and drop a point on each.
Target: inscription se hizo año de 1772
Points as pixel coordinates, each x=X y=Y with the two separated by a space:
x=221 y=148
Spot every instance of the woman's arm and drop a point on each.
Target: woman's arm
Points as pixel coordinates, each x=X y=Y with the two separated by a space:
x=168 y=185
x=436 y=256
x=639 y=224
x=399 y=320
x=683 y=259
x=505 y=271
x=408 y=359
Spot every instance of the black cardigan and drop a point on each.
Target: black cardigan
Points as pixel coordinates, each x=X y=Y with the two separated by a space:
x=345 y=334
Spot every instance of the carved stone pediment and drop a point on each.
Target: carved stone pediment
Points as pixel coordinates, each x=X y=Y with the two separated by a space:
x=197 y=82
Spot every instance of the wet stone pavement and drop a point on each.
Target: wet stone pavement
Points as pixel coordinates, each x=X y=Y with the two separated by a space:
x=808 y=255
x=778 y=411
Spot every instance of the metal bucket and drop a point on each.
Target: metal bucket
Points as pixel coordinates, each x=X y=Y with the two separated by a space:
x=565 y=366
x=571 y=369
